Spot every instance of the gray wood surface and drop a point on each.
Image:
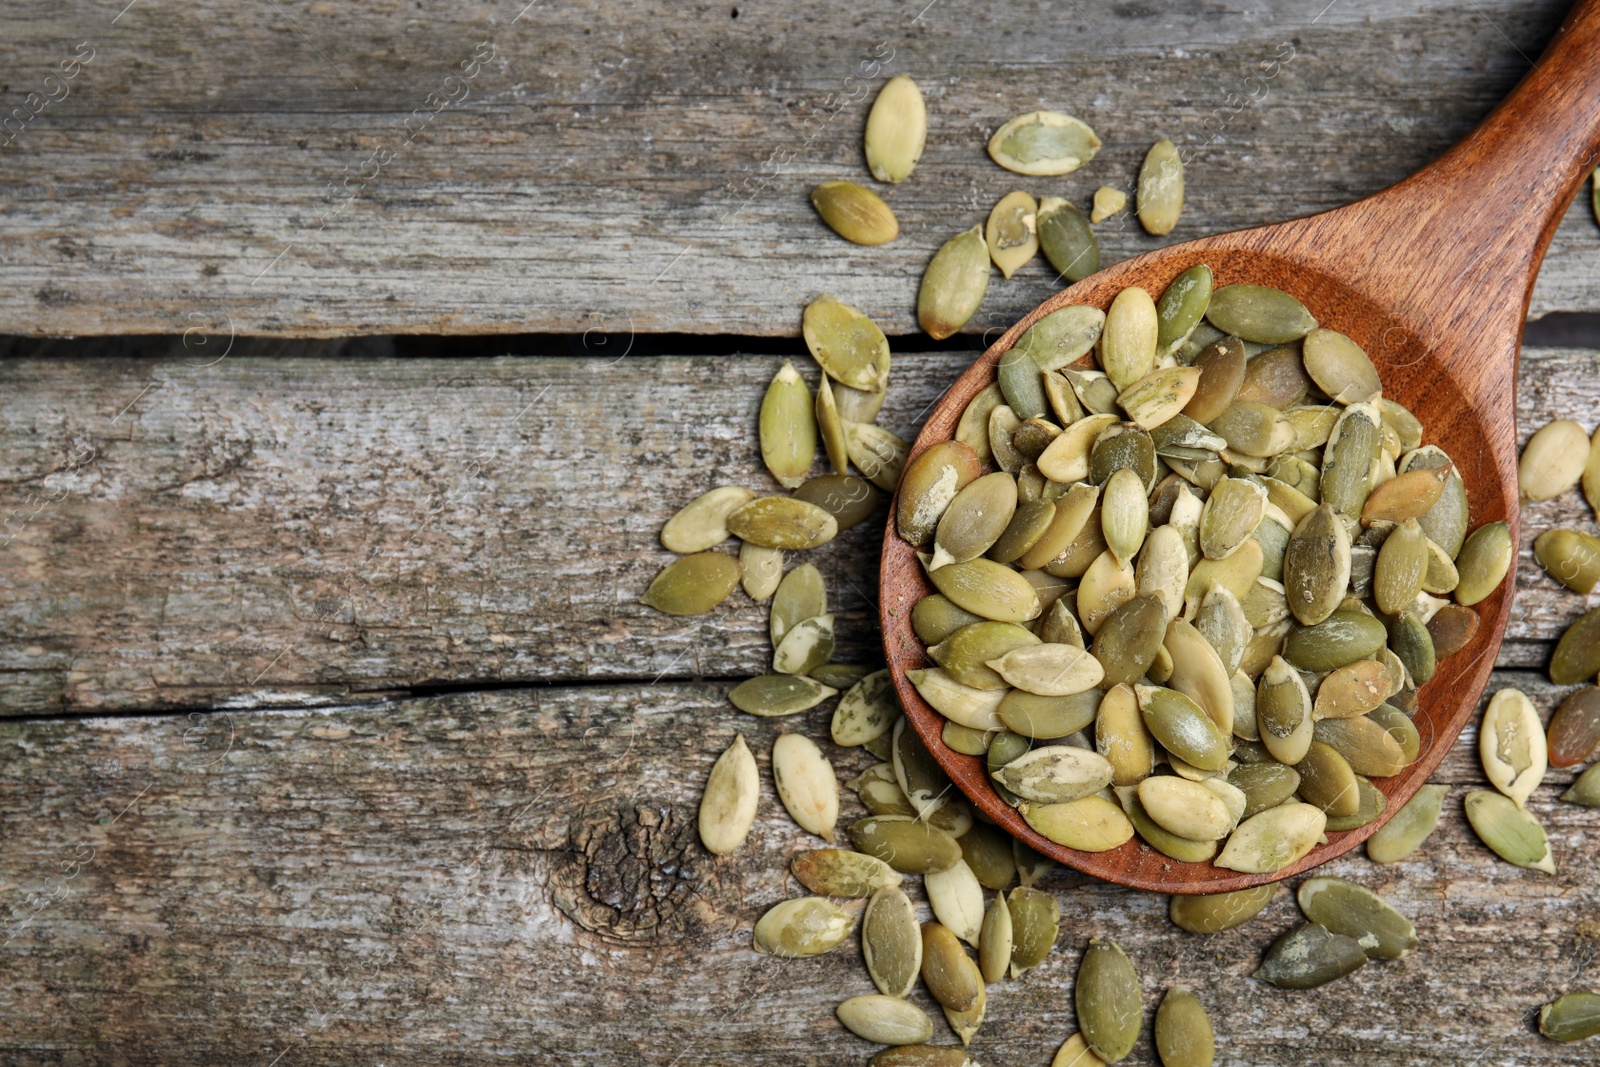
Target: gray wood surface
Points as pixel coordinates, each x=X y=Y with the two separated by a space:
x=474 y=167
x=515 y=877
x=285 y=529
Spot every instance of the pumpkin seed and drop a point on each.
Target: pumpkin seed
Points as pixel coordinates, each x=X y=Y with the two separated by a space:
x=964 y=655
x=916 y=771
x=1180 y=725
x=1107 y=202
x=838 y=872
x=850 y=500
x=1446 y=522
x=1576 y=1015
x=995 y=941
x=1343 y=637
x=1354 y=689
x=886 y=1020
x=1408 y=637
x=1372 y=804
x=1160 y=196
x=1063 y=401
x=693 y=585
x=1409 y=828
x=1441 y=576
x=805 y=647
x=1108 y=1001
x=1022 y=385
x=1283 y=712
x=1183 y=1033
x=703 y=522
x=855 y=213
x=964 y=739
x=1180 y=437
x=1035 y=923
x=1553 y=460
x=800 y=596
x=988 y=589
x=1068 y=242
x=1349 y=463
x=1369 y=748
x=1185 y=808
x=930 y=483
x=1159 y=396
x=1162 y=570
x=1028 y=524
x=1571 y=557
x=1586 y=790
x=1591 y=470
x=1049 y=670
x=806 y=784
x=1574 y=732
x=761 y=569
x=1276 y=378
x=972 y=429
x=1265 y=785
x=1340 y=367
x=1309 y=956
x=891 y=941
x=1244 y=706
x=1182 y=307
x=779 y=694
x=936 y=617
x=1406 y=496
x=1124 y=515
x=1483 y=562
x=1402 y=562
x=1089 y=824
x=1043 y=143
x=866 y=711
x=1511 y=833
x=788 y=428
x=1273 y=839
x=1055 y=774
x=1344 y=907
x=1259 y=313
x=783 y=522
x=1121 y=737
x=1129 y=639
x=1199 y=674
x=966 y=1023
x=897 y=128
x=1316 y=566
x=949 y=973
x=808 y=926
x=1062 y=337
x=1047 y=717
x=1119 y=446
x=987 y=850
x=1577 y=654
x=923 y=1056
x=1212 y=913
x=728 y=805
x=1231 y=514
x=1128 y=343
x=1106 y=585
x=1159 y=837
x=1254 y=429
x=954 y=284
x=1222 y=367
x=1511 y=744
x=1327 y=782
x=905 y=843
x=957 y=900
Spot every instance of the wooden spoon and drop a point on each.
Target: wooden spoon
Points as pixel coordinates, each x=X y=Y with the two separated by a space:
x=1432 y=277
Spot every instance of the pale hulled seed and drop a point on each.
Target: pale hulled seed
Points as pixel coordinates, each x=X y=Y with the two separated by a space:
x=885 y=1020
x=995 y=941
x=866 y=711
x=703 y=522
x=1012 y=232
x=788 y=428
x=855 y=213
x=693 y=585
x=1043 y=143
x=1128 y=344
x=1107 y=202
x=808 y=926
x=1553 y=460
x=728 y=806
x=1273 y=839
x=1511 y=833
x=1409 y=827
x=953 y=284
x=805 y=647
x=1160 y=195
x=929 y=483
x=806 y=784
x=1511 y=744
x=897 y=128
x=800 y=595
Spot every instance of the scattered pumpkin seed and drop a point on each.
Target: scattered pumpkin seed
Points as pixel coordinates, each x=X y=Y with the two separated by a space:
x=779 y=694
x=1309 y=956
x=954 y=284
x=806 y=784
x=995 y=941
x=1353 y=910
x=1577 y=1015
x=1160 y=196
x=891 y=941
x=1107 y=202
x=1511 y=744
x=1571 y=557
x=788 y=428
x=1405 y=832
x=923 y=1056
x=1183 y=1033
x=800 y=596
x=1108 y=1000
x=1035 y=923
x=905 y=843
x=805 y=647
x=1577 y=655
x=761 y=569
x=694 y=584
x=855 y=213
x=1574 y=733
x=703 y=522
x=1511 y=833
x=1586 y=790
x=808 y=926
x=949 y=973
x=783 y=522
x=897 y=128
x=850 y=500
x=885 y=1020
x=956 y=898
x=866 y=711
x=1553 y=460
x=1043 y=143
x=1212 y=913
x=728 y=806
x=1012 y=232
x=838 y=872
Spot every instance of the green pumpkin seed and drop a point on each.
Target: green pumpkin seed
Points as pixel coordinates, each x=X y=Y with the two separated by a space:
x=1245 y=726
x=779 y=694
x=923 y=1056
x=988 y=589
x=1230 y=516
x=703 y=523
x=1402 y=563
x=1259 y=313
x=1295 y=473
x=1344 y=907
x=1441 y=576
x=1511 y=744
x=1353 y=689
x=1574 y=733
x=1213 y=913
x=1088 y=824
x=728 y=805
x=1180 y=437
x=838 y=872
x=1373 y=803
x=1185 y=808
x=1159 y=396
x=1350 y=460
x=1063 y=400
x=1068 y=242
x=805 y=647
x=783 y=522
x=855 y=213
x=879 y=792
x=972 y=429
x=1313 y=424
x=1409 y=638
x=800 y=596
x=1128 y=343
x=1222 y=366
x=1182 y=306
x=1446 y=522
x=1577 y=654
x=1029 y=522
x=1309 y=956
x=1049 y=670
x=1484 y=561
x=1179 y=723
x=1571 y=557
x=964 y=655
x=1511 y=833
x=866 y=711
x=966 y=1023
x=1022 y=385
x=954 y=284
x=1183 y=1033
x=1199 y=673
x=1129 y=639
x=850 y=500
x=1586 y=790
x=1341 y=638
x=1159 y=837
x=1035 y=923
x=1055 y=774
x=1316 y=566
x=1043 y=143
x=1012 y=232
x=1369 y=749
x=987 y=850
x=905 y=843
x=1104 y=587
x=949 y=973
x=1062 y=337
x=897 y=127
x=806 y=784
x=957 y=900
x=886 y=1020
x=1109 y=1004
x=936 y=617
x=1405 y=496
x=1160 y=196
x=1276 y=378
x=1048 y=717
x=1340 y=367
x=928 y=485
x=693 y=585
x=1254 y=429
x=761 y=569
x=918 y=774
x=964 y=739
x=1283 y=712
x=891 y=941
x=1273 y=839
x=1553 y=460
x=1327 y=782
x=1265 y=785
x=805 y=927
x=788 y=428
x=1577 y=1015
x=995 y=941
x=1409 y=828
x=1123 y=446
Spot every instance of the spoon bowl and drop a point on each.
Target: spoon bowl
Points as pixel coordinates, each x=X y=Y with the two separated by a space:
x=1432 y=278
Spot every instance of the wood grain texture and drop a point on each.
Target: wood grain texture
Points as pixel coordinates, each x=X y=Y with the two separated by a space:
x=515 y=876
x=294 y=525
x=310 y=169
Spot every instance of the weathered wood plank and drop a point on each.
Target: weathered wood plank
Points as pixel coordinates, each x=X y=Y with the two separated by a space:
x=479 y=878
x=289 y=530
x=475 y=167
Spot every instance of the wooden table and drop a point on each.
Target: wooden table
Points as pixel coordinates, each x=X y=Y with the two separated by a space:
x=336 y=732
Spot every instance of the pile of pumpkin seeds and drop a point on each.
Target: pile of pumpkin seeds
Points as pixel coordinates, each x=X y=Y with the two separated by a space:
x=1194 y=596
